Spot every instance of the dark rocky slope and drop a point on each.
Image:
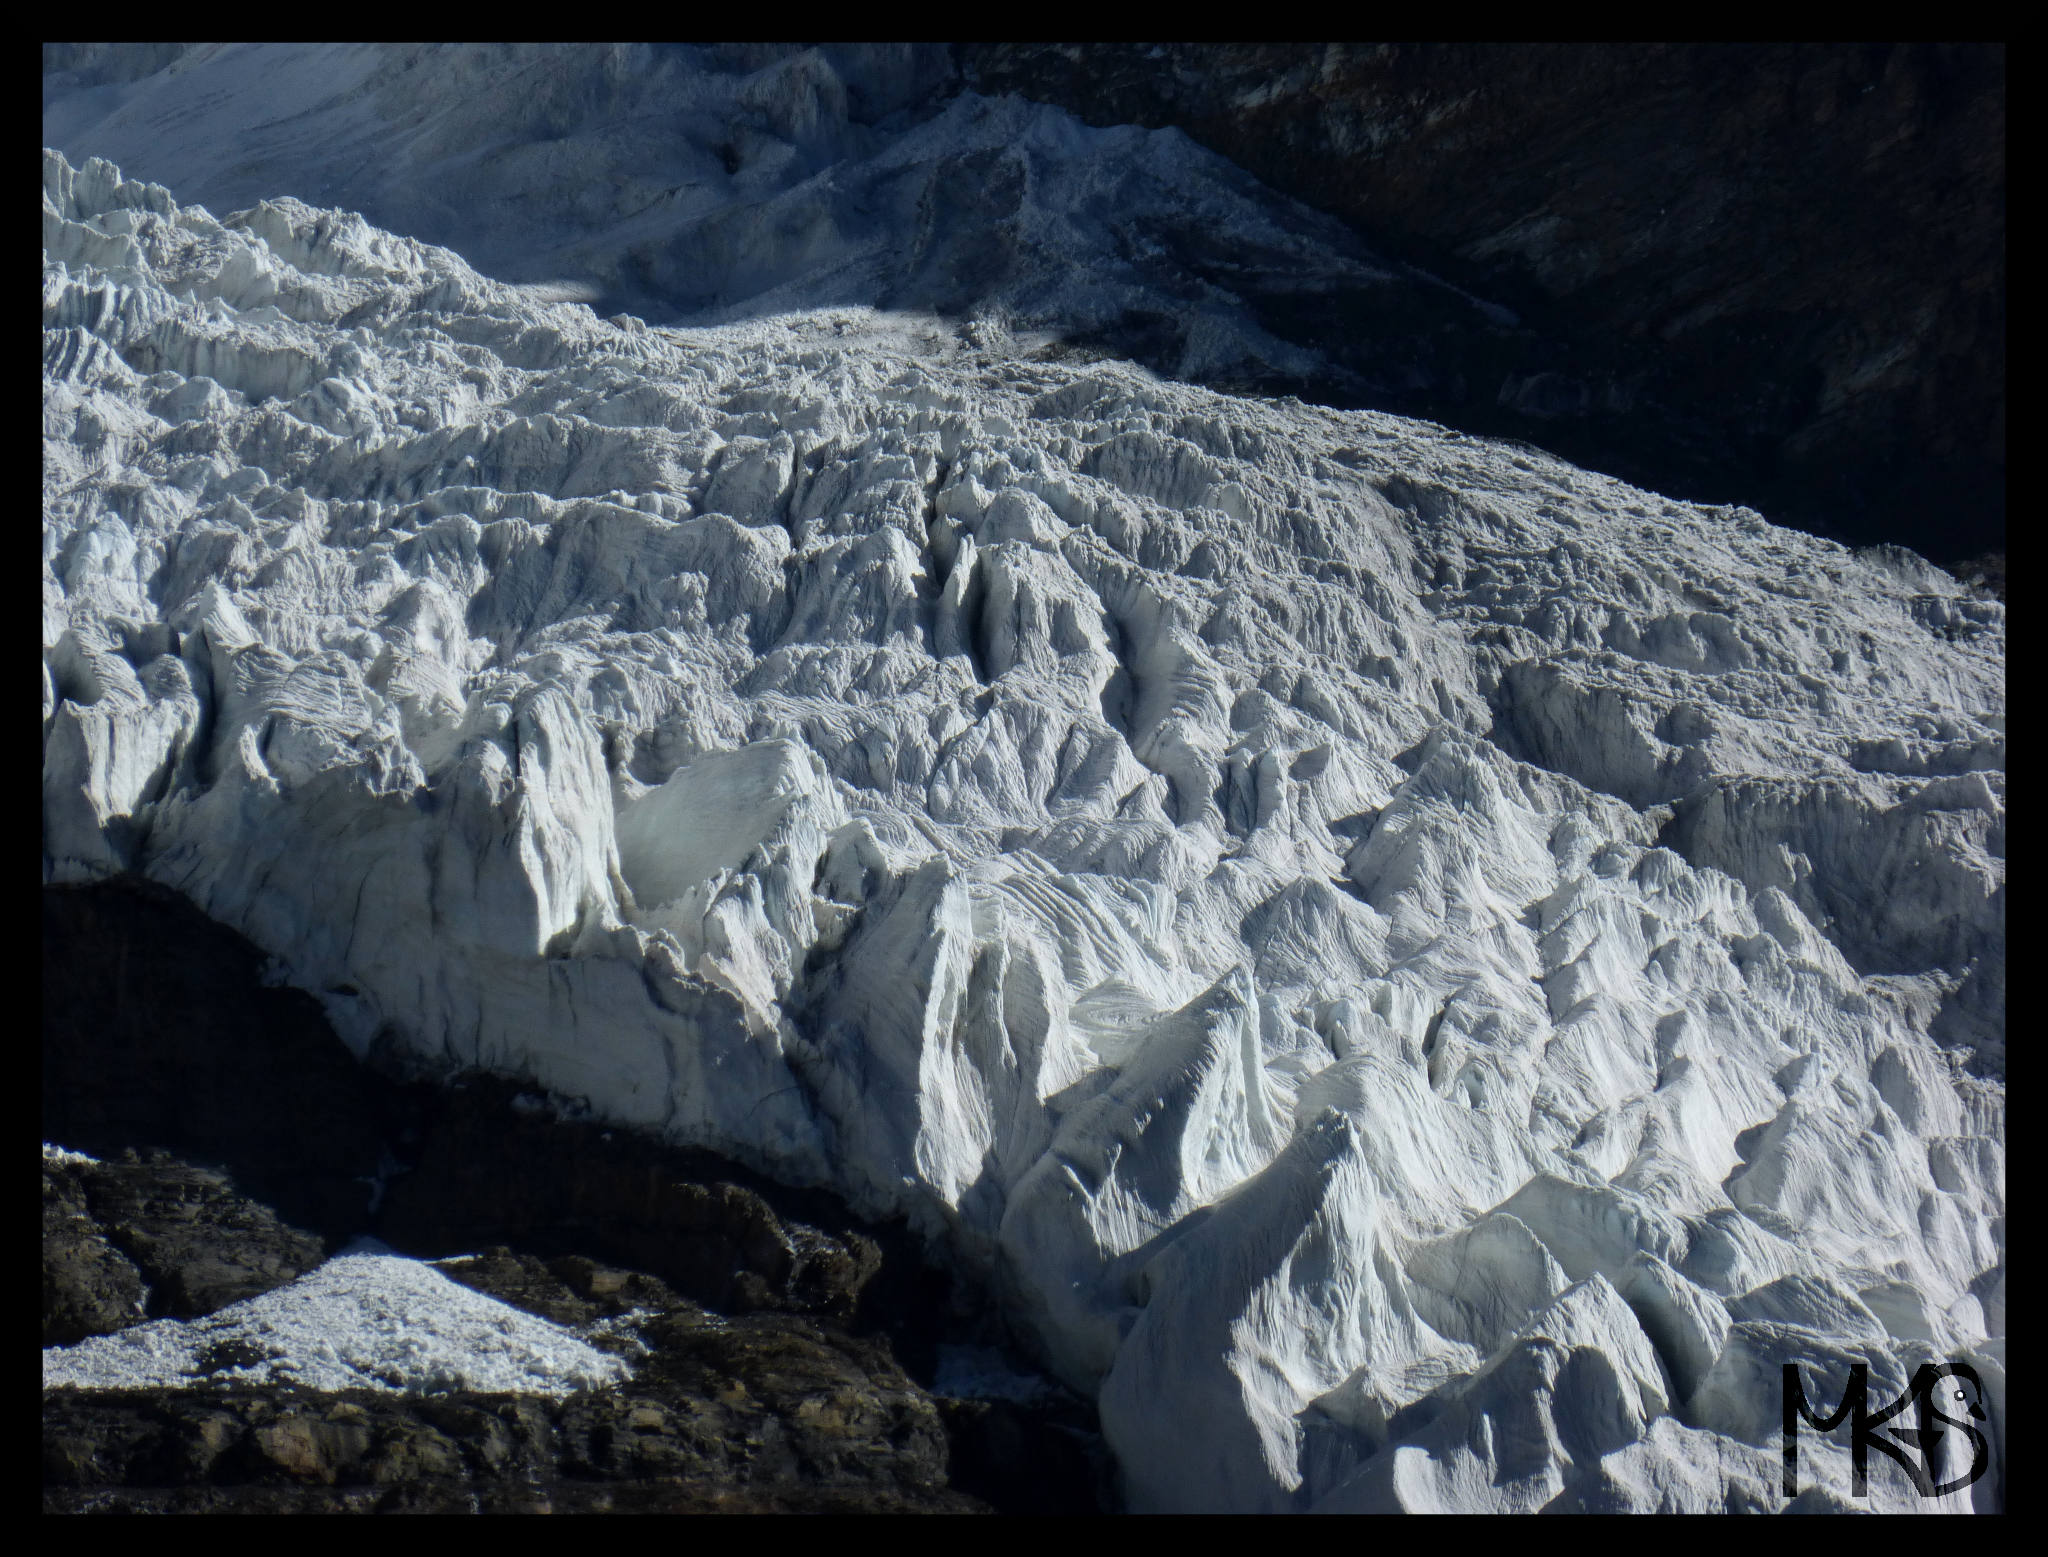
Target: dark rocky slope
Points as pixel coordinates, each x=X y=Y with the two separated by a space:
x=790 y=1348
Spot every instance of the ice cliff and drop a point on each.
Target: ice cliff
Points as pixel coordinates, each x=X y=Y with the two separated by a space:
x=1420 y=977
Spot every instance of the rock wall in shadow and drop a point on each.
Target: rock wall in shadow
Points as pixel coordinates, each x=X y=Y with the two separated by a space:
x=230 y=1117
x=1772 y=274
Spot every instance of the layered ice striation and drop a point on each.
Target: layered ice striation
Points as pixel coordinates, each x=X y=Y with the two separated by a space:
x=1420 y=977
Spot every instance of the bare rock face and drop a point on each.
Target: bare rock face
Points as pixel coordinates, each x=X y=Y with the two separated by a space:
x=152 y=1235
x=487 y=1172
x=1773 y=273
x=89 y=1286
x=423 y=1167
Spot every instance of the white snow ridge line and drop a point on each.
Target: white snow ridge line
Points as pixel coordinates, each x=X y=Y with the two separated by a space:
x=1420 y=977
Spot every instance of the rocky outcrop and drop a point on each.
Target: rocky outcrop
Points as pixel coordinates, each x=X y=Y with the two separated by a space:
x=762 y=1413
x=158 y=1031
x=767 y=1413
x=1769 y=273
x=149 y=1236
x=89 y=1286
x=764 y=1356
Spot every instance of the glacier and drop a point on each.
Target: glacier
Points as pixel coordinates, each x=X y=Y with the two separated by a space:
x=1418 y=976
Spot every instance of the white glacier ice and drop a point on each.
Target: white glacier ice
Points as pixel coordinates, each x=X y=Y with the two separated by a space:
x=1419 y=976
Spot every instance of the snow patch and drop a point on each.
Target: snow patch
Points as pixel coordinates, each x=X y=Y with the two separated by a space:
x=366 y=1319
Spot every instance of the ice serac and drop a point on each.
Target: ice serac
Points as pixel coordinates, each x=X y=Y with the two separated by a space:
x=1420 y=976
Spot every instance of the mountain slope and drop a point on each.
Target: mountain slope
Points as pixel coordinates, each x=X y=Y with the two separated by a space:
x=1766 y=274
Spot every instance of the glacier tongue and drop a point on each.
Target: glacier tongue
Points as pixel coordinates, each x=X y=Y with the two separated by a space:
x=1420 y=976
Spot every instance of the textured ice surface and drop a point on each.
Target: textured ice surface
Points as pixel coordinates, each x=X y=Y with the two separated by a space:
x=367 y=1319
x=700 y=184
x=1420 y=976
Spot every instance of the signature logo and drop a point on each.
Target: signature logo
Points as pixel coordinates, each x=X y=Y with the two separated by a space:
x=1937 y=1392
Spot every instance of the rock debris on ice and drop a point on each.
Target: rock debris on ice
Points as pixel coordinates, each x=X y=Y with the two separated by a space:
x=1419 y=976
